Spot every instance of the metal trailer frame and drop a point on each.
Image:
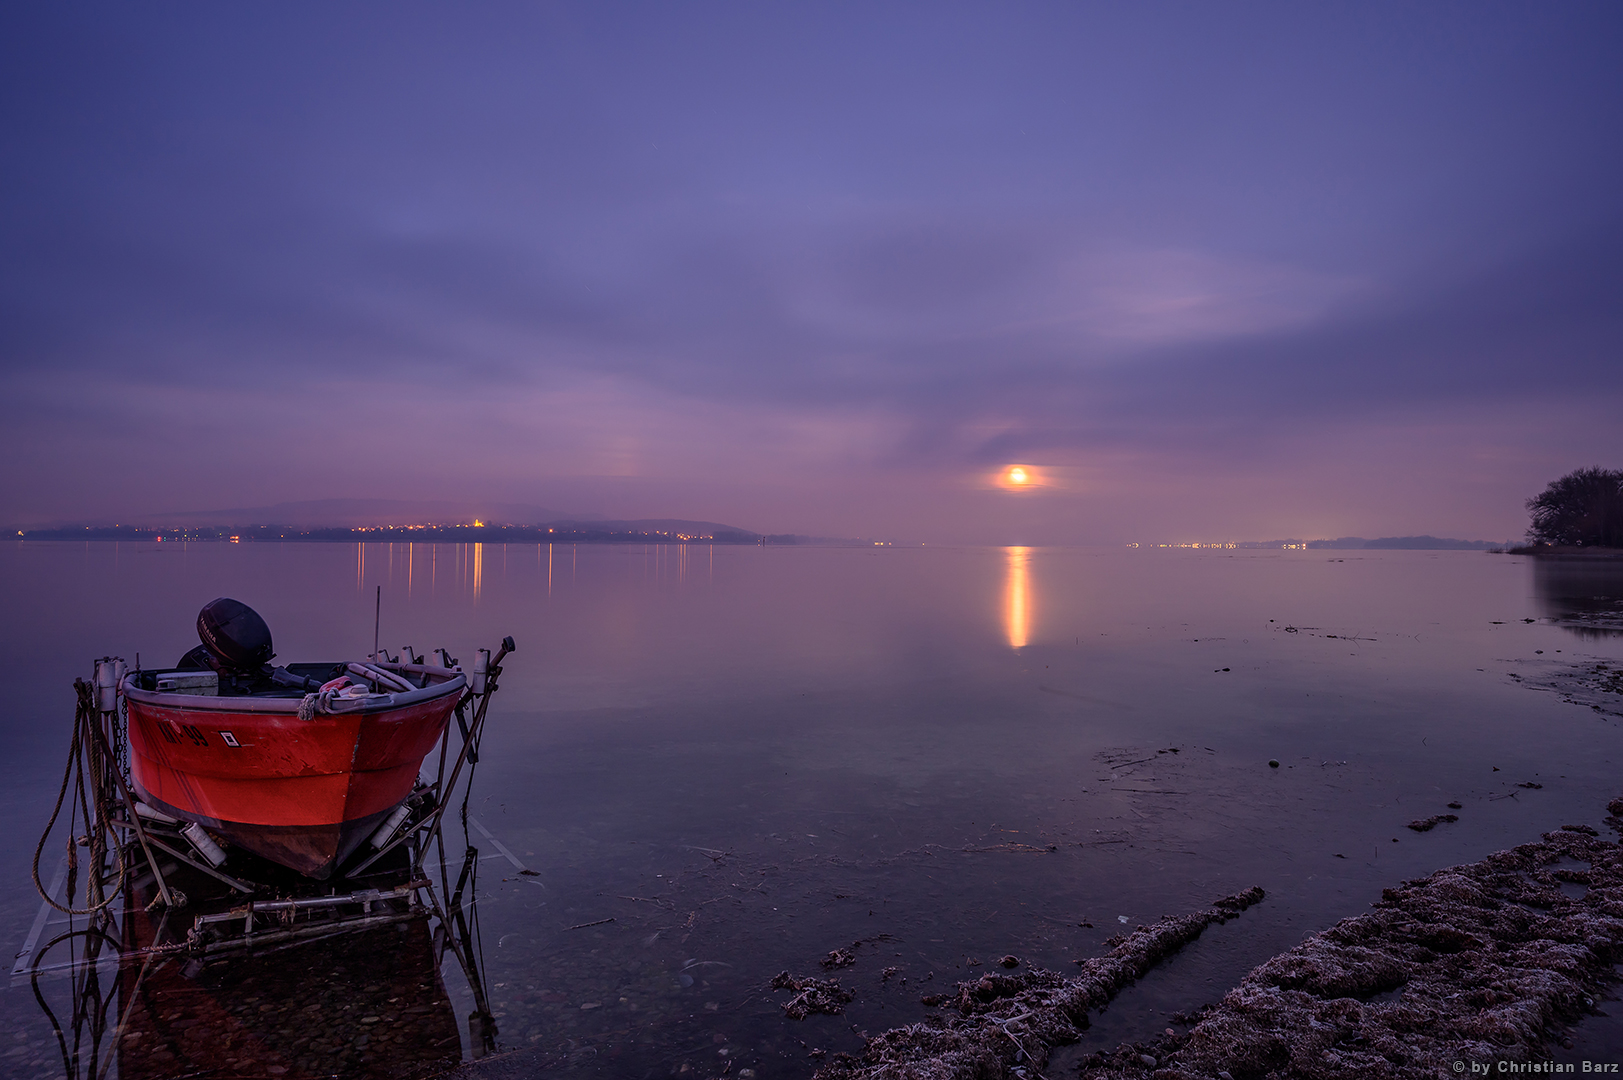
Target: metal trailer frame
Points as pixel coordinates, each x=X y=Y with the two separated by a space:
x=158 y=847
x=145 y=846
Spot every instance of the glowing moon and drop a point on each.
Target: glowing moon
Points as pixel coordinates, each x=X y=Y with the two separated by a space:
x=1017 y=477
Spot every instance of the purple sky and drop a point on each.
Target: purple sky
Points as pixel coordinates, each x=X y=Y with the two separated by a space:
x=1212 y=271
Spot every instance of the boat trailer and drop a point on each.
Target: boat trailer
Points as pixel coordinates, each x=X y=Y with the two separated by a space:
x=120 y=846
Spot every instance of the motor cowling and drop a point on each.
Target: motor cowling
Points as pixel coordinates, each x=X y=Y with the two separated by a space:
x=235 y=635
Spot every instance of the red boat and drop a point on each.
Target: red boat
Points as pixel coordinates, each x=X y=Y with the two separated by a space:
x=298 y=764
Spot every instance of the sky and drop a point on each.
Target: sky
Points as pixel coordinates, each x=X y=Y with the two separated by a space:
x=1205 y=271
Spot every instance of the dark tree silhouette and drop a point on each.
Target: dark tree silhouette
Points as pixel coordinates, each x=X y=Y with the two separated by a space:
x=1583 y=508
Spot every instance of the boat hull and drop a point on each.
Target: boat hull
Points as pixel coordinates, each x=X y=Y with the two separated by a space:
x=302 y=793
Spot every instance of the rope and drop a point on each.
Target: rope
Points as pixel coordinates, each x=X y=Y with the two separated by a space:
x=85 y=714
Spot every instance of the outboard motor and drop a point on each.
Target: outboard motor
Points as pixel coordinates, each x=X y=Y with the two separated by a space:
x=237 y=645
x=235 y=634
x=236 y=640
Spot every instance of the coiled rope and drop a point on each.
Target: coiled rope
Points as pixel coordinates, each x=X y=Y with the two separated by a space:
x=83 y=717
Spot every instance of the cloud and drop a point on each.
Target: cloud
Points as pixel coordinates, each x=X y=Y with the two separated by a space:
x=986 y=341
x=719 y=258
x=1125 y=301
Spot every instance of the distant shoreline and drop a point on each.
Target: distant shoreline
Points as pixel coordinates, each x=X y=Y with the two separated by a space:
x=1567 y=552
x=415 y=534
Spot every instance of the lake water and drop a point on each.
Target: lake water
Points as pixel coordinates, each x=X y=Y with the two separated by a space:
x=747 y=757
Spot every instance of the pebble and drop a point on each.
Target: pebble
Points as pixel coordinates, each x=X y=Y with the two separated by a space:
x=1273 y=763
x=1149 y=1062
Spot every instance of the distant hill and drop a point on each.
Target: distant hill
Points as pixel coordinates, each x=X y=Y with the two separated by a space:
x=1345 y=543
x=648 y=525
x=389 y=520
x=354 y=513
x=1432 y=543
x=589 y=532
x=1405 y=543
x=1358 y=543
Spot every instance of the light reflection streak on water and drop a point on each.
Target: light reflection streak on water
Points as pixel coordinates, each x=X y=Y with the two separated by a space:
x=478 y=568
x=1017 y=596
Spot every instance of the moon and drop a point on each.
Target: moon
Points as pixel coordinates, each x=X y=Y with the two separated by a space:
x=1017 y=477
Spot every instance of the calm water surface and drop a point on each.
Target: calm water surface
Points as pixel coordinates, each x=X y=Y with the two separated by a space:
x=748 y=757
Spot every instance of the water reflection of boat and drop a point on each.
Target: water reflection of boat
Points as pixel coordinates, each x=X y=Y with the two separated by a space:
x=1583 y=595
x=298 y=764
x=367 y=1003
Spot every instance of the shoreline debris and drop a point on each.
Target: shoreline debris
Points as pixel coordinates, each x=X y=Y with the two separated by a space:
x=811 y=995
x=838 y=958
